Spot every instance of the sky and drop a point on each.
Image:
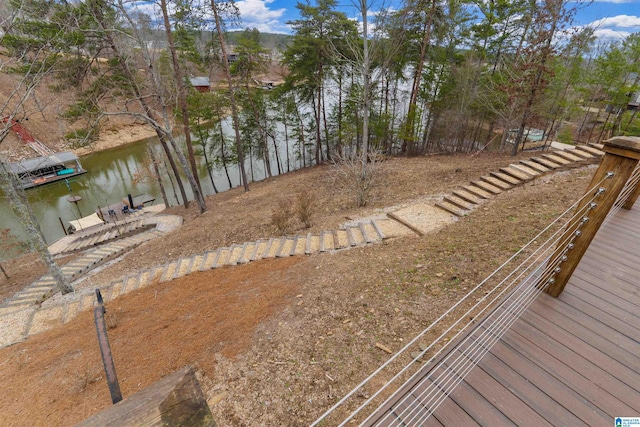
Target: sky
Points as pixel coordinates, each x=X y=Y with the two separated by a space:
x=611 y=19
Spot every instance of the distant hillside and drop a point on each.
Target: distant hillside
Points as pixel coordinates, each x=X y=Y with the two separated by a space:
x=268 y=40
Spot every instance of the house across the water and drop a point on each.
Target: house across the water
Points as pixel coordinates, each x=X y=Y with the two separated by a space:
x=45 y=169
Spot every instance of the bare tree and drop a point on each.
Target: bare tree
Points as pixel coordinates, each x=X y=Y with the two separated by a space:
x=35 y=65
x=231 y=9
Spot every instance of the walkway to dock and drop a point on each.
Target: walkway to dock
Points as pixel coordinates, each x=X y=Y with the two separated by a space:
x=25 y=314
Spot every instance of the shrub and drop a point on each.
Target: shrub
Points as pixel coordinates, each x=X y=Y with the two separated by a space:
x=281 y=217
x=357 y=174
x=305 y=204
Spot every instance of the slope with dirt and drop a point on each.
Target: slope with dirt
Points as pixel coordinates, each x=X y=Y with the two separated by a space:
x=276 y=342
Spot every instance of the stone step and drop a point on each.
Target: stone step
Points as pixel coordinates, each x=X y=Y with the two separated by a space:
x=335 y=240
x=556 y=159
x=535 y=166
x=169 y=271
x=343 y=239
x=294 y=245
x=356 y=236
x=156 y=273
x=568 y=155
x=495 y=182
x=326 y=241
x=209 y=260
x=378 y=229
x=516 y=173
x=117 y=286
x=313 y=244
x=458 y=202
x=223 y=257
x=366 y=231
x=236 y=254
x=453 y=209
x=131 y=283
x=370 y=232
x=145 y=278
x=596 y=151
x=287 y=247
x=525 y=169
x=275 y=248
x=249 y=248
x=196 y=263
x=476 y=191
x=301 y=245
x=546 y=162
x=261 y=249
x=487 y=187
x=578 y=151
x=506 y=178
x=184 y=267
x=31 y=293
x=10 y=310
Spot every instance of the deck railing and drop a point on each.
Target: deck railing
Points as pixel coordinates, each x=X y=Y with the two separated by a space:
x=616 y=184
x=492 y=306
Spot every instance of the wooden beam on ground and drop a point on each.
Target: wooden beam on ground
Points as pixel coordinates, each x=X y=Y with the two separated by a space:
x=175 y=400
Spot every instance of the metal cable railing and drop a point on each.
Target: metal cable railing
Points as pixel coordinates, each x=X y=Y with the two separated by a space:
x=501 y=305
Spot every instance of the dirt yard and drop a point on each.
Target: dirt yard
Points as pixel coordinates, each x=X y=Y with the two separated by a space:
x=277 y=342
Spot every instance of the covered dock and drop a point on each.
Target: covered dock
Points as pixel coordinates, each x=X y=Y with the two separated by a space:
x=46 y=169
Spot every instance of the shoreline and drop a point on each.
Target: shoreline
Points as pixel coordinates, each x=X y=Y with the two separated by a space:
x=116 y=138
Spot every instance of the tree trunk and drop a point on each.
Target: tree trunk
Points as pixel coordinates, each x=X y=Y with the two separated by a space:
x=20 y=206
x=408 y=141
x=365 y=92
x=182 y=98
x=232 y=99
x=158 y=176
x=286 y=134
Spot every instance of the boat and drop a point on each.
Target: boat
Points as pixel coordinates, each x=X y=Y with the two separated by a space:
x=46 y=169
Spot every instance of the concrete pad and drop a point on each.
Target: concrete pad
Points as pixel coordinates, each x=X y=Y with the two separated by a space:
x=423 y=217
x=392 y=228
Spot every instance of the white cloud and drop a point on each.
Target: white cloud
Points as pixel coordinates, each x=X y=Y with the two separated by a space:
x=609 y=34
x=146 y=7
x=616 y=1
x=620 y=21
x=257 y=14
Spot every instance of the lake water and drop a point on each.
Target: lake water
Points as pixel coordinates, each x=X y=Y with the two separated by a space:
x=112 y=174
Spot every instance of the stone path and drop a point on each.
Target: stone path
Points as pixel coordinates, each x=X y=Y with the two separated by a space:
x=27 y=312
x=463 y=200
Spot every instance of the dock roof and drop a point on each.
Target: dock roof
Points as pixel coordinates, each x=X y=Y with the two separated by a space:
x=42 y=162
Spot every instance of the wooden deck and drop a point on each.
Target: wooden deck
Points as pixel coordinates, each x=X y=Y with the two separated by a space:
x=570 y=361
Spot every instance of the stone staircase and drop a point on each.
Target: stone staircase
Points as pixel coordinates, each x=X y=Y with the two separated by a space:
x=464 y=199
x=42 y=288
x=28 y=316
x=363 y=233
x=25 y=309
x=107 y=233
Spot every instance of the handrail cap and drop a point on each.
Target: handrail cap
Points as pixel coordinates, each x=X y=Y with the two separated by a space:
x=626 y=146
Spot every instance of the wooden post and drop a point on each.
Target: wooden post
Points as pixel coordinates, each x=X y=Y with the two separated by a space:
x=621 y=158
x=175 y=400
x=62 y=225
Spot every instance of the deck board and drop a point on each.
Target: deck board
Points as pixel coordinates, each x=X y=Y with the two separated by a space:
x=571 y=360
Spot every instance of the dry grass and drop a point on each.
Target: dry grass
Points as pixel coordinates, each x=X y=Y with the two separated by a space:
x=282 y=340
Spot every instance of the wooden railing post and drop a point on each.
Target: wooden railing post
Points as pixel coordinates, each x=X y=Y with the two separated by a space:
x=621 y=158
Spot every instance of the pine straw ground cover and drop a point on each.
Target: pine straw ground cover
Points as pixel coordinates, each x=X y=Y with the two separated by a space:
x=277 y=342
